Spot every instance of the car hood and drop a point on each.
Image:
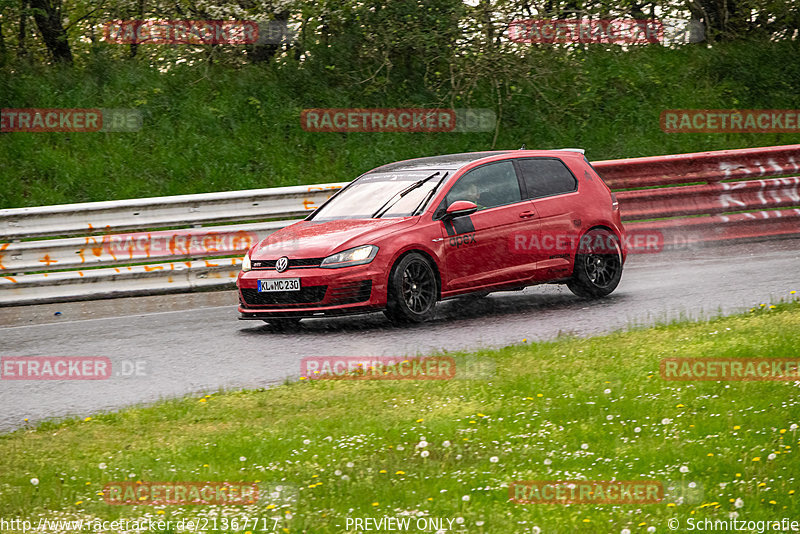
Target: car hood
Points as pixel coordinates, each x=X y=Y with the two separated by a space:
x=312 y=239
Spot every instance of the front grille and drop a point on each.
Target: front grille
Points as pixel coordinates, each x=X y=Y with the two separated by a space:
x=297 y=263
x=351 y=293
x=306 y=295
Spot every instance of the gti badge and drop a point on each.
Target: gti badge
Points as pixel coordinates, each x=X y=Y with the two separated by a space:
x=282 y=264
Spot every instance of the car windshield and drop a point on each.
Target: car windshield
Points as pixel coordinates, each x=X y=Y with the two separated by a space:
x=378 y=194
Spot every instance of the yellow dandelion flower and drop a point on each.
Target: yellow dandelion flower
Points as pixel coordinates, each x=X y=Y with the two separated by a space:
x=772 y=307
x=400 y=473
x=528 y=398
x=738 y=474
x=88 y=483
x=430 y=498
x=670 y=505
x=642 y=524
x=205 y=465
x=88 y=419
x=160 y=512
x=783 y=431
x=540 y=395
x=382 y=471
x=772 y=502
x=473 y=423
x=680 y=406
x=375 y=504
x=762 y=484
x=79 y=502
x=303 y=378
x=710 y=454
x=792 y=292
x=202 y=400
x=791 y=492
x=736 y=427
x=100 y=493
x=270 y=507
x=587 y=520
x=420 y=420
x=757 y=459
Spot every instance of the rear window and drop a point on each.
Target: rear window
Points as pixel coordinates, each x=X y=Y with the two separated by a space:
x=544 y=177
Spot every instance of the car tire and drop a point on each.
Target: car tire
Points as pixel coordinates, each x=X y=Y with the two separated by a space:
x=412 y=290
x=598 y=270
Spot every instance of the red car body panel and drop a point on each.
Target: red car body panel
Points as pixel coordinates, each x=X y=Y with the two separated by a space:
x=478 y=260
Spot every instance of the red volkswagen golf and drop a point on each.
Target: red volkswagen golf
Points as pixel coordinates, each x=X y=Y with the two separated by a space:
x=403 y=236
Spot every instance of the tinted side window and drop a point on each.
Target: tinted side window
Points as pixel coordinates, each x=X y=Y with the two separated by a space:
x=494 y=184
x=545 y=177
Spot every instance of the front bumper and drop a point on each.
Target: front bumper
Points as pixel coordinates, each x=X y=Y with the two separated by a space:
x=323 y=292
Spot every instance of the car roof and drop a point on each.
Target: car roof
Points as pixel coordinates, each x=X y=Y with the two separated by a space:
x=449 y=161
x=456 y=161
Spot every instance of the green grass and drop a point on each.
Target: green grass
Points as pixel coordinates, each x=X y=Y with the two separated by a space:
x=593 y=409
x=217 y=128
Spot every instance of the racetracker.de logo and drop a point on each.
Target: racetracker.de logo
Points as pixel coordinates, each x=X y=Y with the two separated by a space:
x=585 y=491
x=730 y=369
x=730 y=121
x=69 y=120
x=378 y=120
x=348 y=120
x=196 y=32
x=546 y=243
x=378 y=368
x=55 y=367
x=608 y=31
x=180 y=493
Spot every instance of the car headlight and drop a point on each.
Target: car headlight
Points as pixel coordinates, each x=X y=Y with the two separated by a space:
x=354 y=256
x=246 y=264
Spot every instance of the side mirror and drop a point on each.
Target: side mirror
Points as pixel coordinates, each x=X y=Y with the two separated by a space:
x=460 y=208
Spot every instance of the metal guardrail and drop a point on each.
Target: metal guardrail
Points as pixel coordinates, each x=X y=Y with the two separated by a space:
x=163 y=212
x=91 y=259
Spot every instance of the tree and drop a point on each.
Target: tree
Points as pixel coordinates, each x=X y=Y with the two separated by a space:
x=47 y=15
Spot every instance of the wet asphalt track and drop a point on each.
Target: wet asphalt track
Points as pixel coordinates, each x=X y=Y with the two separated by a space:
x=201 y=346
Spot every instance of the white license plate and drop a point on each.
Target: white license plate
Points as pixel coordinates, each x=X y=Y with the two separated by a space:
x=282 y=284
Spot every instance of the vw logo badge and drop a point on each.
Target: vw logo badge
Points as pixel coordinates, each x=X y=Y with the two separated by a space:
x=282 y=264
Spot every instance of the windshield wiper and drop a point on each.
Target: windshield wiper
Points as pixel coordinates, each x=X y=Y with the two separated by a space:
x=397 y=196
x=433 y=190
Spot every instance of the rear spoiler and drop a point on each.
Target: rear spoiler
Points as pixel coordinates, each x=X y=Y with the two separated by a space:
x=582 y=151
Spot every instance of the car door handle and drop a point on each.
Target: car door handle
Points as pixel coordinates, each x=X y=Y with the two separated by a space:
x=526 y=214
